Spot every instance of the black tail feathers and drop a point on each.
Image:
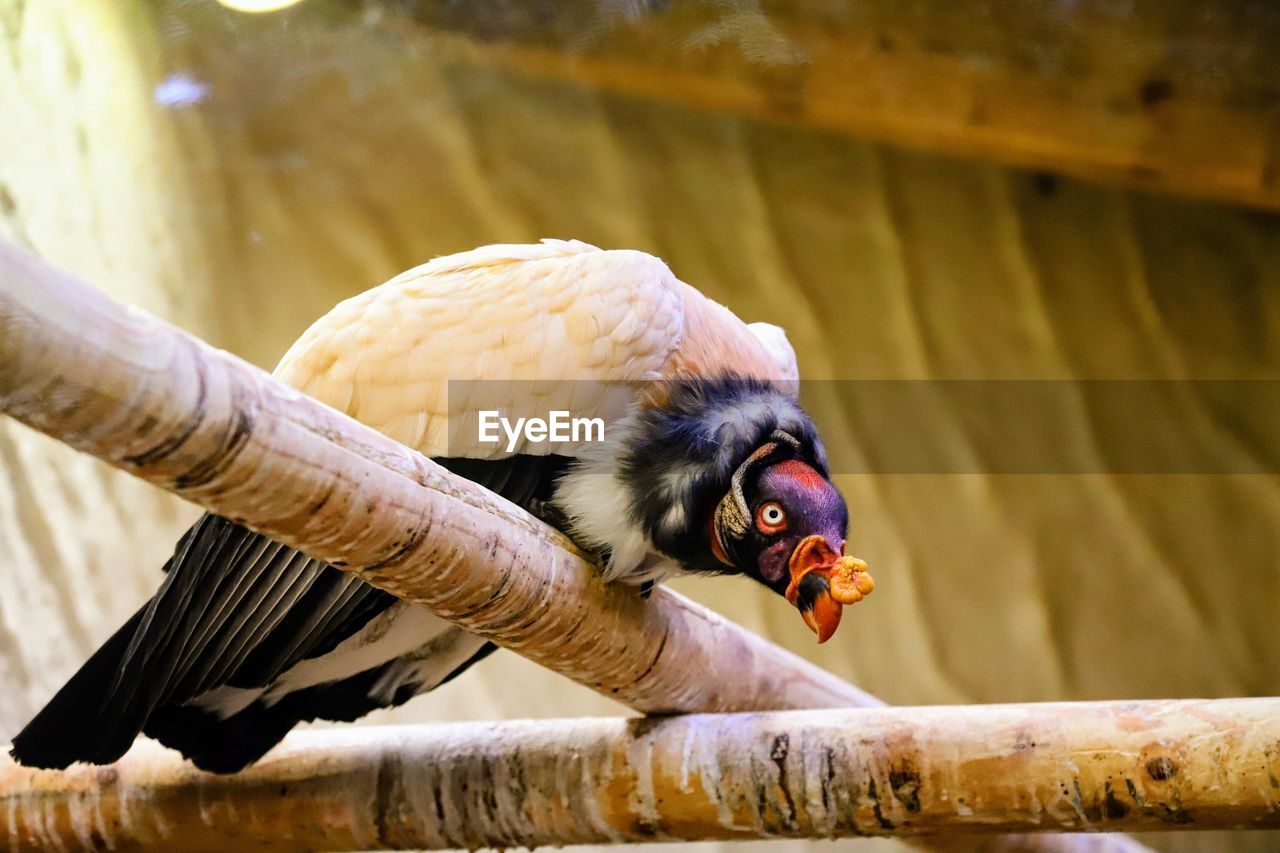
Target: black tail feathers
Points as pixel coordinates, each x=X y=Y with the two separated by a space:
x=95 y=719
x=81 y=722
x=96 y=716
x=92 y=720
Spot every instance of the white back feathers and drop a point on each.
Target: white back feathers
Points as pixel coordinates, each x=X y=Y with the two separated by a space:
x=555 y=310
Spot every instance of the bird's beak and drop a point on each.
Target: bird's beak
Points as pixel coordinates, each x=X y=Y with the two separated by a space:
x=823 y=581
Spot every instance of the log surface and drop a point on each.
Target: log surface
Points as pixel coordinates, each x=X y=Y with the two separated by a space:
x=816 y=774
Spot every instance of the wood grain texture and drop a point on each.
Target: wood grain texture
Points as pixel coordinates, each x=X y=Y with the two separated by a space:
x=818 y=774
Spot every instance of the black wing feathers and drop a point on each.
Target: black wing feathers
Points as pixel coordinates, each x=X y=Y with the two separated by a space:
x=65 y=731
x=235 y=609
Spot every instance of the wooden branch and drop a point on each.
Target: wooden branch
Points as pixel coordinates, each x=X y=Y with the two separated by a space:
x=805 y=774
x=153 y=401
x=1175 y=96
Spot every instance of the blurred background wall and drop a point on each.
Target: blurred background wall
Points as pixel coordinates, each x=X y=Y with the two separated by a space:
x=1021 y=191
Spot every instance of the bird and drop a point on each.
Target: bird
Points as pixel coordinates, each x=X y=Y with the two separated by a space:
x=708 y=464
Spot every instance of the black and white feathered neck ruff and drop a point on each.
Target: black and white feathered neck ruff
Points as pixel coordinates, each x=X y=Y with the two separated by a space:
x=647 y=492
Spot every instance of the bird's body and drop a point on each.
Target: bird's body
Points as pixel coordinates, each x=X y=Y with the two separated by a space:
x=553 y=311
x=246 y=637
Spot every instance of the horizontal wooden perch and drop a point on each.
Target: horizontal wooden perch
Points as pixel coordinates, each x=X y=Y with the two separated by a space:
x=810 y=774
x=153 y=401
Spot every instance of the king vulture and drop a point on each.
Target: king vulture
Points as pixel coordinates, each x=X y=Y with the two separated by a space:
x=709 y=465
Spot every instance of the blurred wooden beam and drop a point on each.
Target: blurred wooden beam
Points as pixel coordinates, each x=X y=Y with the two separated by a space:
x=1164 y=765
x=1180 y=97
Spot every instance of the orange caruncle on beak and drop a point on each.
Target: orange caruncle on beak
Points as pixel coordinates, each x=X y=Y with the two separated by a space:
x=822 y=582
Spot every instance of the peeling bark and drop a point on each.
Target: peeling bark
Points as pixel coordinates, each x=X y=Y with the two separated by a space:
x=806 y=774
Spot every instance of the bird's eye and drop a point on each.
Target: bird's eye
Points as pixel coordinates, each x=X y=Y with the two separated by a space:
x=771 y=518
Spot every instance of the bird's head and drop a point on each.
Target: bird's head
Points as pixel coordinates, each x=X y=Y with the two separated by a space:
x=784 y=523
x=729 y=476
